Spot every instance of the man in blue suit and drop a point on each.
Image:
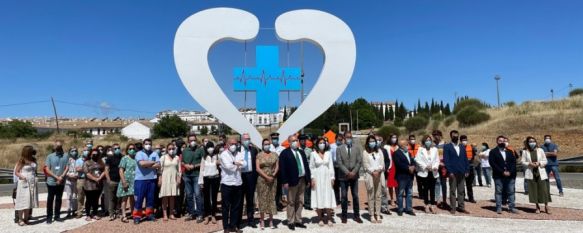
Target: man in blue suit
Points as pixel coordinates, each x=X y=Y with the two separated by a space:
x=295 y=177
x=458 y=168
x=503 y=165
x=405 y=170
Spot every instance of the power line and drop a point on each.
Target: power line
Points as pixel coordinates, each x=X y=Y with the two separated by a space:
x=99 y=107
x=24 y=103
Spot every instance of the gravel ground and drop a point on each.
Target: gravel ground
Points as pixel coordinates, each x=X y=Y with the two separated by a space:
x=567 y=209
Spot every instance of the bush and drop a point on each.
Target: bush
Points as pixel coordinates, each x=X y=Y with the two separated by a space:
x=575 y=92
x=470 y=116
x=510 y=104
x=467 y=103
x=449 y=120
x=437 y=117
x=170 y=127
x=17 y=129
x=204 y=131
x=398 y=122
x=387 y=130
x=416 y=123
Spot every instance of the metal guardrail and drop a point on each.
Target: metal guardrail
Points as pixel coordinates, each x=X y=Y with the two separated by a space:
x=7 y=174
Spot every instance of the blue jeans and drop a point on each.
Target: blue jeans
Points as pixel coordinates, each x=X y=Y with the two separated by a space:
x=353 y=185
x=555 y=170
x=405 y=189
x=193 y=194
x=487 y=174
x=504 y=191
x=438 y=189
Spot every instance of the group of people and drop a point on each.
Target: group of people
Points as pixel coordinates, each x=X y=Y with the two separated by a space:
x=146 y=182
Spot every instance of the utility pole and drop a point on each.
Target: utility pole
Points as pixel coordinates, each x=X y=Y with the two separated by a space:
x=56 y=117
x=302 y=74
x=552 y=95
x=497 y=78
x=351 y=125
x=357 y=128
x=570 y=87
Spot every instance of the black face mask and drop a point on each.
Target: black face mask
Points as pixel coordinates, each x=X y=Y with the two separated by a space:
x=455 y=139
x=502 y=145
x=59 y=149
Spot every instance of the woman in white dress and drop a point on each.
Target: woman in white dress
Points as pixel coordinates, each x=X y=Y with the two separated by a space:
x=26 y=190
x=169 y=181
x=322 y=169
x=71 y=183
x=374 y=167
x=427 y=160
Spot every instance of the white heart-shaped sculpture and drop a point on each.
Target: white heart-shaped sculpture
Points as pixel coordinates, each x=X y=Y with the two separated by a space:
x=202 y=30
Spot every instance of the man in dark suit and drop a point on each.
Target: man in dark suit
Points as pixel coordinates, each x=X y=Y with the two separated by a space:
x=295 y=177
x=404 y=173
x=458 y=167
x=503 y=165
x=349 y=160
x=249 y=177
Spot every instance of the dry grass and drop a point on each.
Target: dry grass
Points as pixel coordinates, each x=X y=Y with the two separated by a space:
x=563 y=119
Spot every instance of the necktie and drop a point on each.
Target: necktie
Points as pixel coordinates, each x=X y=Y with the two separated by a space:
x=298 y=163
x=348 y=151
x=247 y=159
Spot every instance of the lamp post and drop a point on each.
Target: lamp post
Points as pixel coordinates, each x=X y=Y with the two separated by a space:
x=497 y=78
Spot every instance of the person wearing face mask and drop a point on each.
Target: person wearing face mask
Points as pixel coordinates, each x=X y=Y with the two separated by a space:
x=534 y=160
x=191 y=161
x=458 y=168
x=93 y=169
x=249 y=177
x=503 y=165
x=551 y=150
x=392 y=184
x=349 y=159
x=471 y=173
x=295 y=177
x=427 y=161
x=413 y=148
x=71 y=183
x=80 y=180
x=169 y=181
x=267 y=167
x=405 y=169
x=322 y=192
x=374 y=166
x=112 y=176
x=277 y=149
x=339 y=141
x=125 y=189
x=232 y=161
x=105 y=191
x=485 y=164
x=209 y=181
x=145 y=181
x=56 y=169
x=441 y=183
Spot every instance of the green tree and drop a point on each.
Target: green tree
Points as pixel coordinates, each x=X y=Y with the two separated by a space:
x=470 y=116
x=391 y=113
x=416 y=123
x=170 y=127
x=387 y=130
x=17 y=129
x=576 y=92
x=466 y=102
x=204 y=131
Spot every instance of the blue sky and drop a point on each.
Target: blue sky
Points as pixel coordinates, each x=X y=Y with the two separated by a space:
x=118 y=54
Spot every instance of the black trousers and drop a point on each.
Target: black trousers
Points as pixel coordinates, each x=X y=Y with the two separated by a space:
x=210 y=191
x=248 y=188
x=278 y=195
x=419 y=185
x=337 y=185
x=91 y=202
x=231 y=205
x=428 y=192
x=54 y=200
x=470 y=183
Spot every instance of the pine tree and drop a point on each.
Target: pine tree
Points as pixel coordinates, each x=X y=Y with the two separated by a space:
x=391 y=113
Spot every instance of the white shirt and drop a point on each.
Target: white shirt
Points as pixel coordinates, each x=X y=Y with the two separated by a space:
x=247 y=168
x=277 y=149
x=333 y=148
x=231 y=175
x=484 y=160
x=503 y=152
x=297 y=155
x=457 y=148
x=375 y=163
x=208 y=168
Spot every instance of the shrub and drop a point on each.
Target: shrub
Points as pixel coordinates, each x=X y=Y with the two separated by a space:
x=467 y=103
x=470 y=116
x=170 y=127
x=437 y=117
x=449 y=120
x=510 y=104
x=416 y=123
x=575 y=92
x=398 y=122
x=387 y=130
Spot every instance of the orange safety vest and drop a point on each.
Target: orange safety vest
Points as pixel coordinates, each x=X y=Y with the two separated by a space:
x=413 y=151
x=469 y=152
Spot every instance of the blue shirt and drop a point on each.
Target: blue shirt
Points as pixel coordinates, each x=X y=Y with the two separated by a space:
x=79 y=164
x=146 y=173
x=56 y=164
x=551 y=147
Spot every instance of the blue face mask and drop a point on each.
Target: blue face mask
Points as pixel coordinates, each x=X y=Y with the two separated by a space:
x=85 y=154
x=349 y=142
x=338 y=143
x=275 y=141
x=428 y=143
x=372 y=145
x=117 y=151
x=246 y=143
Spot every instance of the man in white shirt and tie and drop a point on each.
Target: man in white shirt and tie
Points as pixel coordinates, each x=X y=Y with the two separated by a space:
x=249 y=177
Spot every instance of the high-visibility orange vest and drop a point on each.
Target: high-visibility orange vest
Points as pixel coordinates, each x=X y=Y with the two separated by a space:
x=469 y=152
x=413 y=151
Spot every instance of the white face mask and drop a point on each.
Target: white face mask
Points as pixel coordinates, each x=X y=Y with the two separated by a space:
x=171 y=152
x=210 y=150
x=294 y=145
x=322 y=146
x=148 y=147
x=266 y=148
x=193 y=144
x=412 y=142
x=548 y=140
x=233 y=148
x=110 y=153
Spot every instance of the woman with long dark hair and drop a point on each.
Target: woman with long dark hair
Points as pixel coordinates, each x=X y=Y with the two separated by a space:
x=93 y=169
x=374 y=167
x=26 y=190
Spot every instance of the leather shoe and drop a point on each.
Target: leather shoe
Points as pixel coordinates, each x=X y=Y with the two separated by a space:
x=291 y=227
x=357 y=219
x=300 y=225
x=343 y=219
x=411 y=213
